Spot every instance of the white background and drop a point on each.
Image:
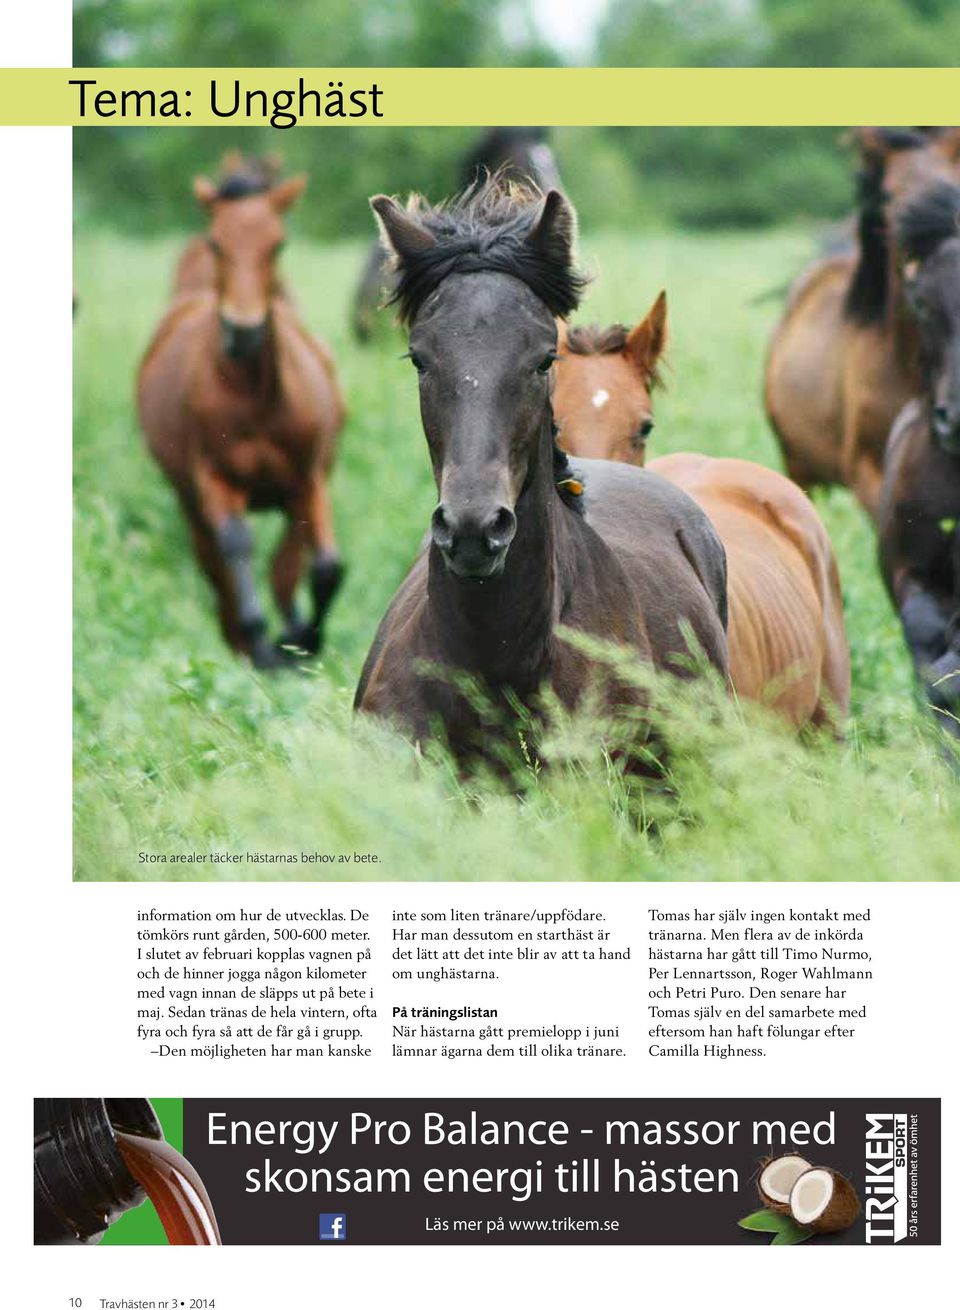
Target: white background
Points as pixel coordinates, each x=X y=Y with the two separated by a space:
x=66 y=1023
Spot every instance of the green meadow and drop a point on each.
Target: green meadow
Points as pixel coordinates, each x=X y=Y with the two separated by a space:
x=182 y=749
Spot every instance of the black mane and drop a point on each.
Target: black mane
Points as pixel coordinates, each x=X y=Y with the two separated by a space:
x=868 y=293
x=246 y=176
x=905 y=138
x=485 y=230
x=928 y=221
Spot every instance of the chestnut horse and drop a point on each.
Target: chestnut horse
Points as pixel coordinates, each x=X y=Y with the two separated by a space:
x=786 y=635
x=919 y=517
x=521 y=153
x=241 y=410
x=516 y=546
x=844 y=357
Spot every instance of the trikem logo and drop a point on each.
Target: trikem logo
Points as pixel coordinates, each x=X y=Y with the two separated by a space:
x=885 y=1178
x=333 y=1228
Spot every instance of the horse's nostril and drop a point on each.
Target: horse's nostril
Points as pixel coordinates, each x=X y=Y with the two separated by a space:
x=941 y=416
x=440 y=528
x=500 y=528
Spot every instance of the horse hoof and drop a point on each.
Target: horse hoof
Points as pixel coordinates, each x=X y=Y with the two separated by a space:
x=300 y=642
x=265 y=655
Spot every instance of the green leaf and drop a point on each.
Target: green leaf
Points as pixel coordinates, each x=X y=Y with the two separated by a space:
x=765 y=1221
x=785 y=1231
x=790 y=1236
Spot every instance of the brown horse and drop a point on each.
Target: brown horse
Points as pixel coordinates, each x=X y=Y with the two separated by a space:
x=517 y=547
x=786 y=634
x=241 y=410
x=919 y=516
x=844 y=357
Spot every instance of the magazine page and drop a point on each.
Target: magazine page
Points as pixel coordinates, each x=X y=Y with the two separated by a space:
x=484 y=548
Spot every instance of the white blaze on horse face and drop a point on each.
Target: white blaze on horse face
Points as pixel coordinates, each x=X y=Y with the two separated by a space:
x=600 y=398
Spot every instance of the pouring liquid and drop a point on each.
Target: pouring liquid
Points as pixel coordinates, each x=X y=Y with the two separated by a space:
x=174 y=1187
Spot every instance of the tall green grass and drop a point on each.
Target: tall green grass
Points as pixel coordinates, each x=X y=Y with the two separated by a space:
x=179 y=747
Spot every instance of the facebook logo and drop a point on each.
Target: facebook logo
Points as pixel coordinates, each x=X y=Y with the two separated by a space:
x=333 y=1228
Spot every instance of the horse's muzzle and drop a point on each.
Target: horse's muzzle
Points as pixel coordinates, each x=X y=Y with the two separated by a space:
x=242 y=341
x=473 y=547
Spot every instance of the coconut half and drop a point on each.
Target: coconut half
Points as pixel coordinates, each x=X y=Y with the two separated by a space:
x=776 y=1181
x=823 y=1200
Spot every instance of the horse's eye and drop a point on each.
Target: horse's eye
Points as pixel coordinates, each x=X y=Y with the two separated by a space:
x=214 y=246
x=547 y=362
x=645 y=428
x=417 y=362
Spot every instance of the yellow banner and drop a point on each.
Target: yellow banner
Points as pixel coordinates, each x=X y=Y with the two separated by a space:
x=405 y=97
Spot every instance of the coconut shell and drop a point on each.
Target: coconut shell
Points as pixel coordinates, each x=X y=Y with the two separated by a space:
x=842 y=1209
x=781 y=1207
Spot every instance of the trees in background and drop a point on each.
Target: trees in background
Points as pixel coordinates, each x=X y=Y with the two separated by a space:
x=141 y=178
x=740 y=177
x=780 y=33
x=696 y=177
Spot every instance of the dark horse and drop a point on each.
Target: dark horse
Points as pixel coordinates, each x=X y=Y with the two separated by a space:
x=241 y=410
x=919 y=517
x=844 y=358
x=516 y=546
x=521 y=153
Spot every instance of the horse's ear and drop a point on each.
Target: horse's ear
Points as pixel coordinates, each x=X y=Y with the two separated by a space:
x=204 y=191
x=948 y=143
x=555 y=230
x=646 y=342
x=400 y=230
x=285 y=193
x=272 y=164
x=872 y=143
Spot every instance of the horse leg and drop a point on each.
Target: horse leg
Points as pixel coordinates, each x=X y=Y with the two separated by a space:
x=310 y=530
x=866 y=483
x=224 y=547
x=212 y=563
x=799 y=470
x=943 y=689
x=285 y=569
x=942 y=682
x=858 y=469
x=934 y=643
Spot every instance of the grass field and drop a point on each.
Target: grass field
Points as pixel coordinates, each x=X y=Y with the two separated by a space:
x=181 y=748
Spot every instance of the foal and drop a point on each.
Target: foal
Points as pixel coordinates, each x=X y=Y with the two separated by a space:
x=786 y=634
x=844 y=357
x=919 y=516
x=241 y=410
x=516 y=545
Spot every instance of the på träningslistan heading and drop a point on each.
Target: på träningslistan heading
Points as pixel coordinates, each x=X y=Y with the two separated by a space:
x=229 y=98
